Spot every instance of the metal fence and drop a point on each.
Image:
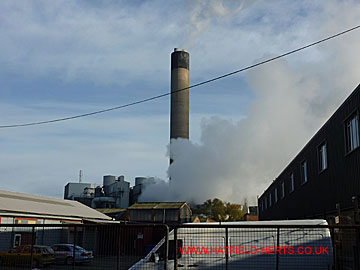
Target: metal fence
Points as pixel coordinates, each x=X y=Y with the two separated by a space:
x=198 y=246
x=77 y=246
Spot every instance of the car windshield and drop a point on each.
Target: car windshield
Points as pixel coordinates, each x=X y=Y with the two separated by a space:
x=50 y=250
x=79 y=248
x=44 y=251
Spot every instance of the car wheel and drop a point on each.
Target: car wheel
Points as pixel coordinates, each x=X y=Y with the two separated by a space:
x=69 y=261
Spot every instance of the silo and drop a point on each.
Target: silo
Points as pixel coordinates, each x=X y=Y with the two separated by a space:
x=139 y=180
x=108 y=180
x=179 y=110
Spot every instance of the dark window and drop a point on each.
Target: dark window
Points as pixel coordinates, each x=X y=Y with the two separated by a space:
x=292 y=184
x=322 y=153
x=304 y=176
x=265 y=202
x=17 y=240
x=282 y=190
x=276 y=195
x=352 y=133
x=270 y=200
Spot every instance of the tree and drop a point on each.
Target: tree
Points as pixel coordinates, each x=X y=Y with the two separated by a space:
x=234 y=212
x=218 y=210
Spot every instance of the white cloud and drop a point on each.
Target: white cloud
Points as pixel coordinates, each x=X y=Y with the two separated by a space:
x=235 y=160
x=126 y=43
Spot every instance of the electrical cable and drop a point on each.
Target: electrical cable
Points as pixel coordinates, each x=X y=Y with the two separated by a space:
x=183 y=89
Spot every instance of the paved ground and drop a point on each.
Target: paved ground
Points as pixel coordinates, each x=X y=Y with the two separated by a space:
x=98 y=263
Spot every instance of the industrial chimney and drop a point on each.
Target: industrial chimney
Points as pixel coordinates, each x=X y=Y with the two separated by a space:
x=179 y=119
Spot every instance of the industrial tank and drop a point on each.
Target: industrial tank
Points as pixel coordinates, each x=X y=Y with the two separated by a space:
x=140 y=180
x=108 y=180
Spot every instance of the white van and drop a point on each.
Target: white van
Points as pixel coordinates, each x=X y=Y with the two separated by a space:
x=256 y=246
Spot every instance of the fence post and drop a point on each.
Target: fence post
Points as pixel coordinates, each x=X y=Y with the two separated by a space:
x=166 y=259
x=277 y=245
x=74 y=247
x=119 y=229
x=176 y=249
x=32 y=247
x=332 y=235
x=227 y=248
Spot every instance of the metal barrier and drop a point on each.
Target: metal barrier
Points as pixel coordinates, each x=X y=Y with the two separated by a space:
x=253 y=247
x=198 y=246
x=78 y=246
x=213 y=246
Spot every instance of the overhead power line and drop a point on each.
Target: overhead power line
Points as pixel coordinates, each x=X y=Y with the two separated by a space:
x=183 y=89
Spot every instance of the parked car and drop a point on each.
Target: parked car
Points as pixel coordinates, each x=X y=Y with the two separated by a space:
x=64 y=254
x=42 y=256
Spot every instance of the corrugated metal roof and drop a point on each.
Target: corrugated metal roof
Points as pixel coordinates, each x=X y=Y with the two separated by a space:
x=41 y=205
x=111 y=210
x=156 y=205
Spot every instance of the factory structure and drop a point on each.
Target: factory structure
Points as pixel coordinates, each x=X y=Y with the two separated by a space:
x=115 y=192
x=179 y=109
x=322 y=181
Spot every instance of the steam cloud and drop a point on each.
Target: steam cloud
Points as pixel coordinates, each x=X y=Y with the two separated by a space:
x=238 y=160
x=293 y=99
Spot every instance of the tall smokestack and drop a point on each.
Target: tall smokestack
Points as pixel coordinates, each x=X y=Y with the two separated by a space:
x=179 y=119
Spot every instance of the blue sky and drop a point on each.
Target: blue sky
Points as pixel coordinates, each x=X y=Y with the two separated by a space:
x=62 y=58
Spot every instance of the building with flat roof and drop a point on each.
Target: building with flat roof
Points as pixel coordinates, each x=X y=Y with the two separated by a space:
x=322 y=181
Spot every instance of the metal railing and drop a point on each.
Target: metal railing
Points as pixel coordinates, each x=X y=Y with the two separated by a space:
x=198 y=246
x=77 y=246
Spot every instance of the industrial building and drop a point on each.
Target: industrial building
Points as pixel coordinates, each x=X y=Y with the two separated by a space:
x=170 y=213
x=251 y=213
x=20 y=208
x=115 y=192
x=322 y=181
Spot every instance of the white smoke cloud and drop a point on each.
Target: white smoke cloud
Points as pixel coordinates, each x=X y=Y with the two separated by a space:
x=293 y=98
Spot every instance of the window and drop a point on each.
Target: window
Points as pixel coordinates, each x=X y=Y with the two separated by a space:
x=322 y=153
x=291 y=182
x=270 y=200
x=265 y=203
x=276 y=195
x=282 y=190
x=304 y=176
x=352 y=133
x=17 y=240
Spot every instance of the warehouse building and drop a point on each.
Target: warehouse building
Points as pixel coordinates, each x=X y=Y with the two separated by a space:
x=20 y=208
x=16 y=208
x=170 y=213
x=322 y=181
